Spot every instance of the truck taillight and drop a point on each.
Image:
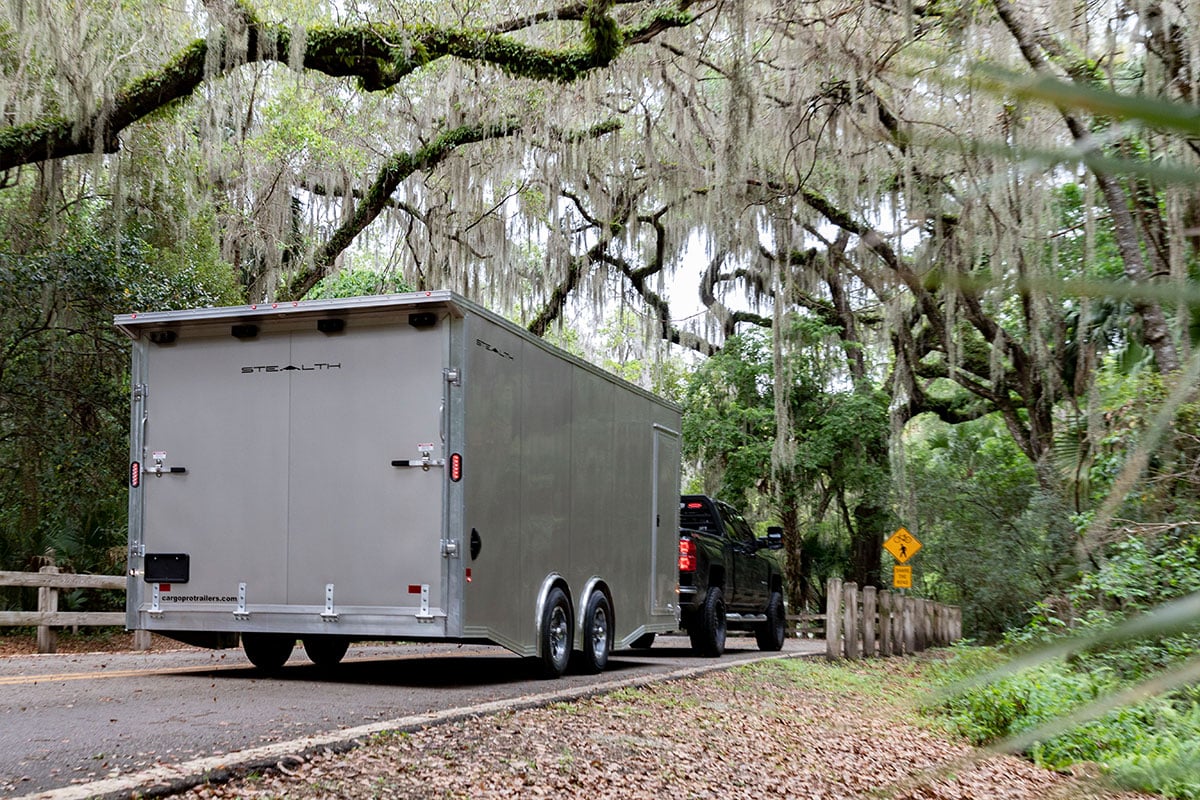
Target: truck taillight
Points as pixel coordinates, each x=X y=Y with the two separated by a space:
x=455 y=467
x=687 y=555
x=135 y=474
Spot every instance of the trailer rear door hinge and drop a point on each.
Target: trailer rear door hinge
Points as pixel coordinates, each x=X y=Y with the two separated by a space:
x=450 y=548
x=423 y=614
x=453 y=377
x=240 y=612
x=139 y=391
x=329 y=615
x=155 y=601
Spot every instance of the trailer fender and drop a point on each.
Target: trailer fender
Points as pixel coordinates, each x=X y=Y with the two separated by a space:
x=549 y=582
x=594 y=584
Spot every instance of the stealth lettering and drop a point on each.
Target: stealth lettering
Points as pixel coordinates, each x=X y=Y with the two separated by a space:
x=494 y=349
x=319 y=365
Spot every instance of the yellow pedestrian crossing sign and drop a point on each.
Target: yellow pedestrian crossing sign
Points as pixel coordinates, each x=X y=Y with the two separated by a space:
x=902 y=545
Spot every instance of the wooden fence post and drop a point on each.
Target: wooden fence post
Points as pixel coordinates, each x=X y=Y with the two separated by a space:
x=47 y=638
x=885 y=623
x=868 y=623
x=833 y=619
x=929 y=641
x=851 y=621
x=910 y=631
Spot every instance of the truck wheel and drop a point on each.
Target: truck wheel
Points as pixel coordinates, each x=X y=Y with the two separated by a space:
x=556 y=634
x=770 y=634
x=325 y=651
x=268 y=651
x=644 y=642
x=597 y=635
x=708 y=631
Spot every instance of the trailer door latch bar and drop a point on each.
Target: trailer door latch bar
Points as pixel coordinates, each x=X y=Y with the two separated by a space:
x=424 y=462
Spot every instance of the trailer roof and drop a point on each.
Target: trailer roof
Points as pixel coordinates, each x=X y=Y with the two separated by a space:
x=136 y=325
x=130 y=323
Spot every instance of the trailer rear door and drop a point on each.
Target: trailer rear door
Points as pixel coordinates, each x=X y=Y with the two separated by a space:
x=307 y=459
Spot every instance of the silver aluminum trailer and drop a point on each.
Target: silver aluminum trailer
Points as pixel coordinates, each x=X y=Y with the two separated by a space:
x=400 y=467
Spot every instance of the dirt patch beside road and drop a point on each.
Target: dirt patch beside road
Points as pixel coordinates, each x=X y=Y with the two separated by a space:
x=795 y=728
x=88 y=640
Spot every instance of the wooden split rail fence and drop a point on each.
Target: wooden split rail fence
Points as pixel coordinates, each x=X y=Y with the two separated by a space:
x=883 y=623
x=49 y=581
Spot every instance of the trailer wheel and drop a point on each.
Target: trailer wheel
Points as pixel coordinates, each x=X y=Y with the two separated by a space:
x=325 y=651
x=556 y=634
x=597 y=635
x=643 y=642
x=770 y=634
x=268 y=651
x=708 y=630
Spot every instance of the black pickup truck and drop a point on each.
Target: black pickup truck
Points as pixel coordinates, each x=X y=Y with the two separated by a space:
x=728 y=579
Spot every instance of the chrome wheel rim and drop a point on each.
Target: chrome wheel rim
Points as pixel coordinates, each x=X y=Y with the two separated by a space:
x=599 y=634
x=558 y=634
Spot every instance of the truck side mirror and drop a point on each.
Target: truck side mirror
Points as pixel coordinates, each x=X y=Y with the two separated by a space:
x=775 y=537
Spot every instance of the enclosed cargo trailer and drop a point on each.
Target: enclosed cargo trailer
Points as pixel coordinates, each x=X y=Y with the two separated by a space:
x=400 y=467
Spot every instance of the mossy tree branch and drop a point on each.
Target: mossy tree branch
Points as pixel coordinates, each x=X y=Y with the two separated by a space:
x=377 y=55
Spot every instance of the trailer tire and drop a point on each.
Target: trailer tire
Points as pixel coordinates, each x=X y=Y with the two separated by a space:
x=597 y=635
x=770 y=634
x=325 y=651
x=643 y=642
x=268 y=651
x=708 y=629
x=557 y=634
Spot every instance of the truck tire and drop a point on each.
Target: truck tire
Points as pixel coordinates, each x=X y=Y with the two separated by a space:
x=325 y=651
x=556 y=634
x=643 y=642
x=597 y=635
x=708 y=629
x=770 y=634
x=268 y=651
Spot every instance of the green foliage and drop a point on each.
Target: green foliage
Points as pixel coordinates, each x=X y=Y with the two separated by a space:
x=64 y=407
x=994 y=540
x=1150 y=745
x=357 y=282
x=729 y=421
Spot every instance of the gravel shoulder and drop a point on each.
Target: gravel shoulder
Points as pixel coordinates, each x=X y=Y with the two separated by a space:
x=794 y=728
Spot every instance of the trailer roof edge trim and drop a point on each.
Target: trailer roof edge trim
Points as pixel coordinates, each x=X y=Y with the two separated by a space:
x=382 y=302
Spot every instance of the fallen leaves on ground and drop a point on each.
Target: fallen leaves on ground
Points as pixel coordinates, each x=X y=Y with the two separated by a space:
x=742 y=733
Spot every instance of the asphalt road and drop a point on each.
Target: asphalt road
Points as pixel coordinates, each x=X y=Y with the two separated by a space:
x=82 y=720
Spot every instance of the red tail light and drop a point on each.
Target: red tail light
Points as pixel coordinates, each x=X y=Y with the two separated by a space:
x=455 y=467
x=687 y=555
x=135 y=474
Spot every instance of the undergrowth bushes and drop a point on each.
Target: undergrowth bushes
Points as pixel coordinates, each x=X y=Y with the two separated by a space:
x=1151 y=744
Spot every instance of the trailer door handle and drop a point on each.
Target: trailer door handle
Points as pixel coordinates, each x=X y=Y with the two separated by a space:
x=159 y=469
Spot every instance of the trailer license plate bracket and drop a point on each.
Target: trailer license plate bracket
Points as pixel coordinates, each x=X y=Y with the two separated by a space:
x=167 y=567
